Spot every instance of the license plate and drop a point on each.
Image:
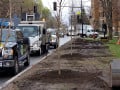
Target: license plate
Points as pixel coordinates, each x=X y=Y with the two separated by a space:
x=0 y=64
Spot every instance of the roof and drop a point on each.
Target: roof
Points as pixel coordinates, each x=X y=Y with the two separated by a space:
x=6 y=24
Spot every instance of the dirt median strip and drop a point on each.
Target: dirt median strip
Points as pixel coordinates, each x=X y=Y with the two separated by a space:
x=18 y=75
x=7 y=84
x=76 y=73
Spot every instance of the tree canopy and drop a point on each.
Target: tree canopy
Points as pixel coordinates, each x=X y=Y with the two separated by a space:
x=46 y=13
x=26 y=6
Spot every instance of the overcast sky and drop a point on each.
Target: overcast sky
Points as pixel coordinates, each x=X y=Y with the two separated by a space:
x=49 y=2
x=65 y=11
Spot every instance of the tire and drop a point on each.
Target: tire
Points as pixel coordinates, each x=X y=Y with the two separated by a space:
x=39 y=52
x=16 y=66
x=27 y=63
x=47 y=48
x=55 y=46
x=44 y=49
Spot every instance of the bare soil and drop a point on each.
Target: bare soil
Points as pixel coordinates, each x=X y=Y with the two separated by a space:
x=85 y=67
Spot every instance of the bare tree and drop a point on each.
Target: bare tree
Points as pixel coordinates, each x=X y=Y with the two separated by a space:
x=58 y=19
x=107 y=9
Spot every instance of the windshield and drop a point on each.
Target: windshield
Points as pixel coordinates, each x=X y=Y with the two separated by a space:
x=53 y=33
x=8 y=36
x=29 y=31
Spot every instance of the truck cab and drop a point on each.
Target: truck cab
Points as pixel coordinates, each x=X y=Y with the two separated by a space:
x=14 y=50
x=34 y=30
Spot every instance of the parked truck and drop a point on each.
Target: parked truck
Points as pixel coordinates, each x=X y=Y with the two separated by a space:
x=36 y=32
x=87 y=31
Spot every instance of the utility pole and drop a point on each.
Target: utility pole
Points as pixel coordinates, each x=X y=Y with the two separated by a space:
x=10 y=13
x=71 y=25
x=82 y=18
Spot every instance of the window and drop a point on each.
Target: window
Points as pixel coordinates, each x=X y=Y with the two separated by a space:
x=8 y=36
x=19 y=35
x=29 y=31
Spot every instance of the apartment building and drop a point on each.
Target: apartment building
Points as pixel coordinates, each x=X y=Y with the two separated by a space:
x=98 y=16
x=95 y=14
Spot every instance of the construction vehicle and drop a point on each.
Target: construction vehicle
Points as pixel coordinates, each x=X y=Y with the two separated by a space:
x=36 y=32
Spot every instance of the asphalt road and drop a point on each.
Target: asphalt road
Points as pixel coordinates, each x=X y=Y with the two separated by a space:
x=33 y=60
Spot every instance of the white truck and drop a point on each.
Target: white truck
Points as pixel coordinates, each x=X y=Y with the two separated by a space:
x=36 y=32
x=88 y=31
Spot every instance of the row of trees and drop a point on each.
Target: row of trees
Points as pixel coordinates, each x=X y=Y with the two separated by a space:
x=26 y=6
x=107 y=9
x=20 y=6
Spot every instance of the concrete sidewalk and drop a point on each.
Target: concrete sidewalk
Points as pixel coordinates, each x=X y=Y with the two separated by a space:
x=115 y=66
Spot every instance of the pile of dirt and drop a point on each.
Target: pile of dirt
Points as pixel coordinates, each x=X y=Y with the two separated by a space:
x=80 y=68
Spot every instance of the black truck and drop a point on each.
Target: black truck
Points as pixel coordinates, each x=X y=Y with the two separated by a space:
x=14 y=50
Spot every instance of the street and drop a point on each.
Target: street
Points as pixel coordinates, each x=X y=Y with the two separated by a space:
x=34 y=26
x=33 y=60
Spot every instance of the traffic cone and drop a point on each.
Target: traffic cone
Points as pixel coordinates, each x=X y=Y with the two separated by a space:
x=118 y=42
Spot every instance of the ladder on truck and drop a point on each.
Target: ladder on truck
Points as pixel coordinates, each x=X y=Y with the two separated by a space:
x=30 y=17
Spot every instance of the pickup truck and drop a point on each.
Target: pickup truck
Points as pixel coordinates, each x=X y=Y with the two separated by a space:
x=14 y=50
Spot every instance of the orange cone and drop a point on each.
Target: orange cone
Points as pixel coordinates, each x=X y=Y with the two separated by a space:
x=118 y=42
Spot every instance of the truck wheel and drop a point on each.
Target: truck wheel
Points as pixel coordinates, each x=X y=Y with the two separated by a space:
x=47 y=48
x=16 y=66
x=27 y=63
x=55 y=46
x=39 y=52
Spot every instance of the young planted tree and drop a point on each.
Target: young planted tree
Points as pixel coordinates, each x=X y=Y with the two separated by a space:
x=107 y=9
x=58 y=19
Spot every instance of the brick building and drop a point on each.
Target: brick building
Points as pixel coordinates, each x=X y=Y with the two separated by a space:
x=98 y=15
x=18 y=7
x=95 y=13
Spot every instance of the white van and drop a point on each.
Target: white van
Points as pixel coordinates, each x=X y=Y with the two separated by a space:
x=88 y=31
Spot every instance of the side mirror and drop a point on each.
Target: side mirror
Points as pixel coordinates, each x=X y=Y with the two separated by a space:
x=44 y=31
x=26 y=41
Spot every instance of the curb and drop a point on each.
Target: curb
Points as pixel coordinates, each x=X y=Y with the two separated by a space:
x=15 y=77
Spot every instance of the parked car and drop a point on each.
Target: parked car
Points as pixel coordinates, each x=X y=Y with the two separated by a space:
x=14 y=50
x=88 y=31
x=53 y=38
x=61 y=34
x=92 y=33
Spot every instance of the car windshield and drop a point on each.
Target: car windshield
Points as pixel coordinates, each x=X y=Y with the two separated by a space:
x=8 y=36
x=53 y=33
x=29 y=31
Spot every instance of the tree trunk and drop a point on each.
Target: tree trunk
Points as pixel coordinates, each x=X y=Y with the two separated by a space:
x=107 y=8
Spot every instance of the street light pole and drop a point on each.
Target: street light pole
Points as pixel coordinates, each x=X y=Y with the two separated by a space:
x=10 y=13
x=81 y=18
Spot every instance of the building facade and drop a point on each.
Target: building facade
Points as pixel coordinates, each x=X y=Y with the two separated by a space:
x=95 y=14
x=98 y=16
